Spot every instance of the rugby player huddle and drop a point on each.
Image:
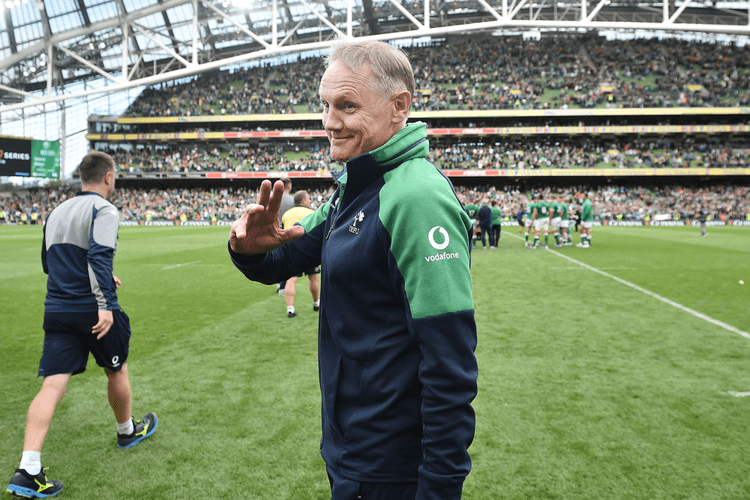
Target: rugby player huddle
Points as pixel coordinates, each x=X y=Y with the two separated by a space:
x=552 y=215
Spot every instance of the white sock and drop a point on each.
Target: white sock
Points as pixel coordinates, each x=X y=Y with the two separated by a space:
x=31 y=462
x=126 y=428
x=316 y=303
x=290 y=309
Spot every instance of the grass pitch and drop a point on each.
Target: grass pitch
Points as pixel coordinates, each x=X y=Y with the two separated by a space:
x=588 y=389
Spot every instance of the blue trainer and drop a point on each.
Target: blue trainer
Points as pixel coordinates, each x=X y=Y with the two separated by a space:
x=23 y=484
x=141 y=430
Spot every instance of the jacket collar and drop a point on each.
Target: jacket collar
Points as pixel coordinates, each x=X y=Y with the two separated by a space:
x=407 y=144
x=84 y=193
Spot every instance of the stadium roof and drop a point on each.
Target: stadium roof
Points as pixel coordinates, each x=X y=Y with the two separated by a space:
x=47 y=45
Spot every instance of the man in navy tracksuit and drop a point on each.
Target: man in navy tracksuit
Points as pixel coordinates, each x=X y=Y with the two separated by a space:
x=397 y=332
x=81 y=316
x=485 y=224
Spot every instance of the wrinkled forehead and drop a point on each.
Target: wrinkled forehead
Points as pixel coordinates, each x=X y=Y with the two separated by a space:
x=340 y=78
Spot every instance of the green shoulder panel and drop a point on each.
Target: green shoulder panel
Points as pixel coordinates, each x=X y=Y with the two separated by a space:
x=317 y=217
x=429 y=238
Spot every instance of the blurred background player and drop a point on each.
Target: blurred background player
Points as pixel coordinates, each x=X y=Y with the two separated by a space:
x=540 y=220
x=292 y=216
x=564 y=223
x=497 y=224
x=528 y=221
x=587 y=220
x=472 y=210
x=81 y=315
x=287 y=202
x=485 y=224
x=554 y=220
x=521 y=219
x=701 y=216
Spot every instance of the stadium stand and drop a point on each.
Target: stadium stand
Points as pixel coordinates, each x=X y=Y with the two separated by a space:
x=493 y=73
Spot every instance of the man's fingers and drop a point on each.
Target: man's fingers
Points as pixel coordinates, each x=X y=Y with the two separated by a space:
x=252 y=208
x=274 y=203
x=101 y=328
x=264 y=194
x=239 y=227
x=291 y=234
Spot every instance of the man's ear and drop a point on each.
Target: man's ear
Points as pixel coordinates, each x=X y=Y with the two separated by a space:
x=401 y=106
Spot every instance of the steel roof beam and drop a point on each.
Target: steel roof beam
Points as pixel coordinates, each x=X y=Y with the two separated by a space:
x=168 y=24
x=87 y=30
x=11 y=31
x=84 y=13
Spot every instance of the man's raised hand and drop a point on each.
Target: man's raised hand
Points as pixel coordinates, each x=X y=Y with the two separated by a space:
x=259 y=230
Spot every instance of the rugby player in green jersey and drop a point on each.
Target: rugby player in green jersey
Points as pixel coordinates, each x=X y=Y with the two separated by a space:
x=540 y=220
x=587 y=220
x=472 y=210
x=564 y=223
x=554 y=219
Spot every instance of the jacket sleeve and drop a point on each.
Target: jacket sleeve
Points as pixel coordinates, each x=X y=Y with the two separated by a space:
x=431 y=253
x=448 y=373
x=101 y=254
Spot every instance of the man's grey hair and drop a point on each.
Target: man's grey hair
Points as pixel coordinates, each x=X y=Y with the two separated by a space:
x=389 y=64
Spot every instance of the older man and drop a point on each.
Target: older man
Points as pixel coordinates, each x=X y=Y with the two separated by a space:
x=397 y=331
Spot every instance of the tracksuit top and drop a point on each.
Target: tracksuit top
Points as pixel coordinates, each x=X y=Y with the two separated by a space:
x=485 y=216
x=396 y=333
x=78 y=249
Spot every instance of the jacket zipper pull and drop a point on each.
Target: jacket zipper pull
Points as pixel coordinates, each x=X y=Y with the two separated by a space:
x=333 y=224
x=334 y=206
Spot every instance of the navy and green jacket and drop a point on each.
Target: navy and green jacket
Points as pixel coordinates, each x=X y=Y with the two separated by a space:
x=78 y=250
x=397 y=333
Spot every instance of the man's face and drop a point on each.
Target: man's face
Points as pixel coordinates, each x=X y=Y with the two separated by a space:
x=356 y=118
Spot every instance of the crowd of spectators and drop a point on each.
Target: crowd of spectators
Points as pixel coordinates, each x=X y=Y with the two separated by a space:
x=721 y=202
x=567 y=153
x=556 y=71
x=562 y=152
x=206 y=157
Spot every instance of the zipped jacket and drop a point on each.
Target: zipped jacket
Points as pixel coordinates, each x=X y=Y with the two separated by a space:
x=397 y=333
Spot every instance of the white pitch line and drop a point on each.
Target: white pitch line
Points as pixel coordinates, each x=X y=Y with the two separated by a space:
x=180 y=265
x=577 y=268
x=739 y=394
x=654 y=295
